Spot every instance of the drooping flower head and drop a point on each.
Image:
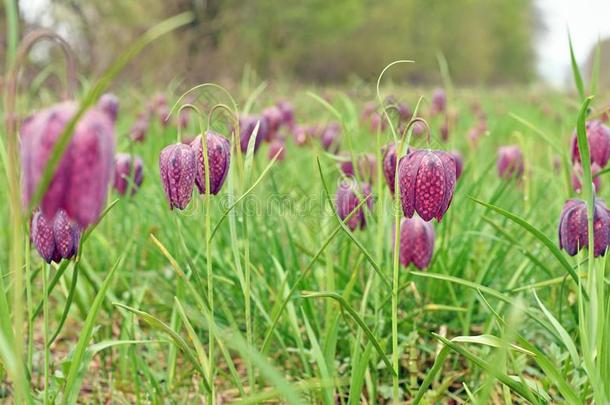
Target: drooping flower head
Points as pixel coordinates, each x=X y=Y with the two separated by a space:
x=510 y=162
x=459 y=162
x=329 y=137
x=439 y=101
x=128 y=169
x=416 y=242
x=109 y=103
x=80 y=183
x=273 y=116
x=277 y=147
x=140 y=128
x=348 y=197
x=577 y=177
x=178 y=168
x=219 y=159
x=287 y=111
x=427 y=182
x=366 y=166
x=54 y=239
x=573 y=227
x=247 y=124
x=598 y=137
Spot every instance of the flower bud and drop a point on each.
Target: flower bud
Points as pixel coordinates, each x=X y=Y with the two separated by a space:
x=219 y=159
x=80 y=184
x=573 y=227
x=348 y=198
x=427 y=182
x=178 y=167
x=128 y=173
x=416 y=242
x=54 y=239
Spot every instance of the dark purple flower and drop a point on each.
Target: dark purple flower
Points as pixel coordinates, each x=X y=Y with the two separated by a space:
x=510 y=162
x=128 y=169
x=598 y=136
x=389 y=165
x=287 y=111
x=347 y=199
x=80 y=183
x=366 y=163
x=573 y=229
x=427 y=182
x=110 y=104
x=54 y=239
x=277 y=147
x=577 y=177
x=329 y=137
x=246 y=128
x=416 y=242
x=273 y=116
x=178 y=168
x=439 y=101
x=219 y=159
x=459 y=162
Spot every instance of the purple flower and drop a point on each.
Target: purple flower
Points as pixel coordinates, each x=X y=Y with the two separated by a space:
x=219 y=159
x=366 y=163
x=300 y=135
x=128 y=168
x=273 y=116
x=246 y=128
x=347 y=199
x=378 y=122
x=510 y=162
x=160 y=107
x=404 y=112
x=277 y=146
x=427 y=182
x=459 y=162
x=439 y=101
x=598 y=136
x=416 y=242
x=178 y=167
x=287 y=111
x=389 y=165
x=329 y=137
x=140 y=128
x=573 y=229
x=577 y=177
x=80 y=183
x=54 y=239
x=110 y=104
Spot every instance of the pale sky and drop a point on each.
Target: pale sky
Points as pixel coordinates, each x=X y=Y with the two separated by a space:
x=587 y=20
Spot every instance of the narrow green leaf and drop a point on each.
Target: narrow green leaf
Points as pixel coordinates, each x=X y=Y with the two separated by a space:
x=576 y=71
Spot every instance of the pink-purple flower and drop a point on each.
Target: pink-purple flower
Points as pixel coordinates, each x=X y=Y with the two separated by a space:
x=178 y=168
x=416 y=242
x=510 y=162
x=573 y=227
x=219 y=159
x=348 y=197
x=55 y=239
x=128 y=173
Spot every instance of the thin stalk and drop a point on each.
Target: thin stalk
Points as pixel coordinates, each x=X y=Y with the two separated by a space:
x=45 y=330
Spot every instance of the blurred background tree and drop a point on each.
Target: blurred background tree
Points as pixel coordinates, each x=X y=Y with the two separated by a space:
x=485 y=41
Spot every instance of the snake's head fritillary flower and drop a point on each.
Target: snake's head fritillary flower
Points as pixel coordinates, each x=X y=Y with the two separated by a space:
x=247 y=125
x=178 y=168
x=299 y=135
x=109 y=103
x=510 y=162
x=404 y=112
x=277 y=147
x=366 y=166
x=598 y=137
x=445 y=130
x=348 y=197
x=389 y=165
x=577 y=177
x=128 y=173
x=80 y=183
x=439 y=101
x=573 y=227
x=287 y=111
x=459 y=162
x=416 y=242
x=378 y=122
x=426 y=182
x=329 y=137
x=273 y=117
x=219 y=159
x=54 y=239
x=140 y=128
